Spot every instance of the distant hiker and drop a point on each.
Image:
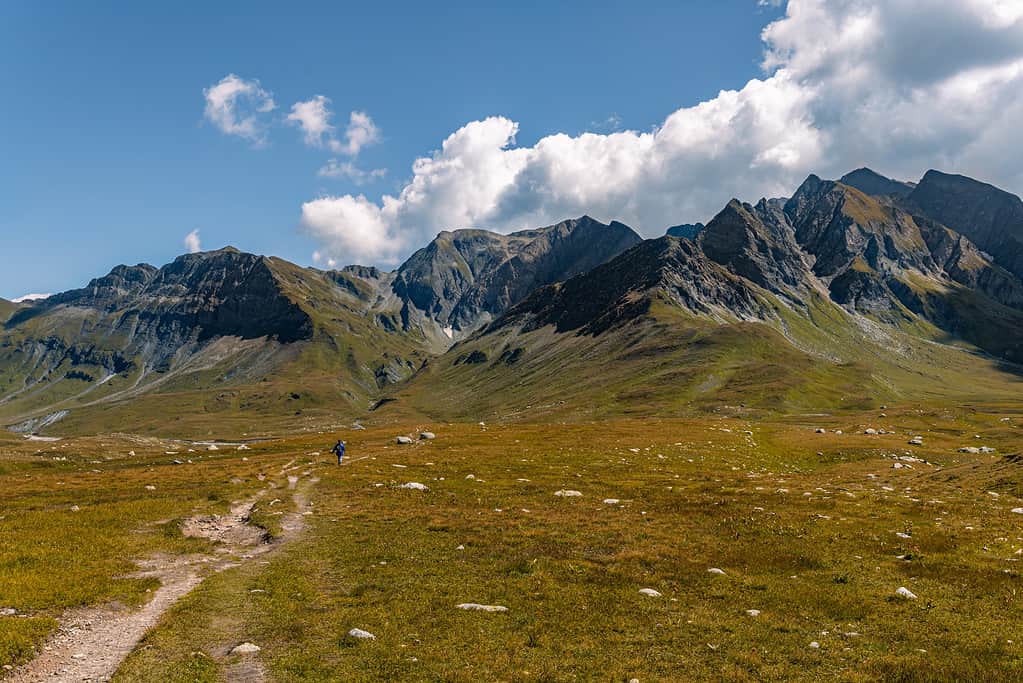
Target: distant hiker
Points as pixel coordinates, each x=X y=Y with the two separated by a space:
x=339 y=449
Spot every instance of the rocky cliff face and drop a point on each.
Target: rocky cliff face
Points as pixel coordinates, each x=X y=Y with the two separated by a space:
x=668 y=269
x=991 y=218
x=465 y=278
x=757 y=243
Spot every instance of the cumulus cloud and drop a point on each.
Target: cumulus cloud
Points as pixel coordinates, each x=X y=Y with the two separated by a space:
x=313 y=118
x=192 y=243
x=901 y=85
x=238 y=107
x=361 y=132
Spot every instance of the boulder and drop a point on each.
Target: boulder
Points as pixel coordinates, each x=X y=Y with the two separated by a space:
x=427 y=436
x=904 y=592
x=361 y=635
x=404 y=440
x=650 y=592
x=415 y=486
x=476 y=607
x=246 y=649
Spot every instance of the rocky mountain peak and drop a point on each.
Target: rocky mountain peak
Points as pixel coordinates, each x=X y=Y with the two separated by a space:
x=872 y=183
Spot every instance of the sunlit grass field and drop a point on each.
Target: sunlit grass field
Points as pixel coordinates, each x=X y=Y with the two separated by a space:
x=814 y=531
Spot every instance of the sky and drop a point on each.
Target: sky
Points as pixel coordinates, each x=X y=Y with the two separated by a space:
x=336 y=133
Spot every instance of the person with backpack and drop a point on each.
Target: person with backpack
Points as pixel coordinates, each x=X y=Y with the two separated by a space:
x=339 y=450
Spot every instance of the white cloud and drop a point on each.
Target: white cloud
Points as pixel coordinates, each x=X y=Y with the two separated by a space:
x=901 y=85
x=361 y=132
x=192 y=243
x=237 y=107
x=313 y=118
x=346 y=169
x=31 y=297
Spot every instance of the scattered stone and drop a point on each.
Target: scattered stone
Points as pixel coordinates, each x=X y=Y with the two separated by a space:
x=415 y=486
x=246 y=649
x=969 y=449
x=403 y=440
x=986 y=449
x=904 y=592
x=568 y=493
x=611 y=501
x=476 y=607
x=870 y=431
x=715 y=570
x=427 y=436
x=650 y=592
x=916 y=441
x=361 y=635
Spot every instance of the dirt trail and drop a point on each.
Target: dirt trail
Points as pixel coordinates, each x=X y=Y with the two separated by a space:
x=91 y=642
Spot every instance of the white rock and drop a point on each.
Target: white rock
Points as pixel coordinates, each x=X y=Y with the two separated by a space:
x=403 y=440
x=246 y=649
x=150 y=487
x=7 y=611
x=904 y=592
x=476 y=607
x=900 y=534
x=415 y=486
x=360 y=634
x=427 y=436
x=715 y=570
x=611 y=501
x=815 y=645
x=243 y=447
x=820 y=430
x=212 y=447
x=568 y=493
x=650 y=592
x=916 y=441
x=870 y=431
x=1018 y=511
x=969 y=449
x=753 y=612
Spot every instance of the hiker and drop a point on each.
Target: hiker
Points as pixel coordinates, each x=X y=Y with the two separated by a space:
x=339 y=449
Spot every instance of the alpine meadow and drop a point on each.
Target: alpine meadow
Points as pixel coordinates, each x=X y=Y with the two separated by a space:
x=730 y=392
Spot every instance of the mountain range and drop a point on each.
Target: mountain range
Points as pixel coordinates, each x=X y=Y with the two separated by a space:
x=849 y=293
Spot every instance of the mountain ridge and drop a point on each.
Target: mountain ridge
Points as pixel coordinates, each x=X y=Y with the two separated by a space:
x=804 y=283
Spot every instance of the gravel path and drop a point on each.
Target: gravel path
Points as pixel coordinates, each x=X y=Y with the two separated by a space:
x=91 y=642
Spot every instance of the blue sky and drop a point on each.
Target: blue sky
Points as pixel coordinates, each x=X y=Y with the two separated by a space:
x=504 y=117
x=105 y=156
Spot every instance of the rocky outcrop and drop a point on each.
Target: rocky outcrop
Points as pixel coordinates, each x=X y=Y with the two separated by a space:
x=667 y=269
x=758 y=244
x=463 y=279
x=991 y=218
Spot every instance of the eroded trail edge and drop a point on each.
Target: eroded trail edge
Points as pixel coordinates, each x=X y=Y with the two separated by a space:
x=91 y=642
